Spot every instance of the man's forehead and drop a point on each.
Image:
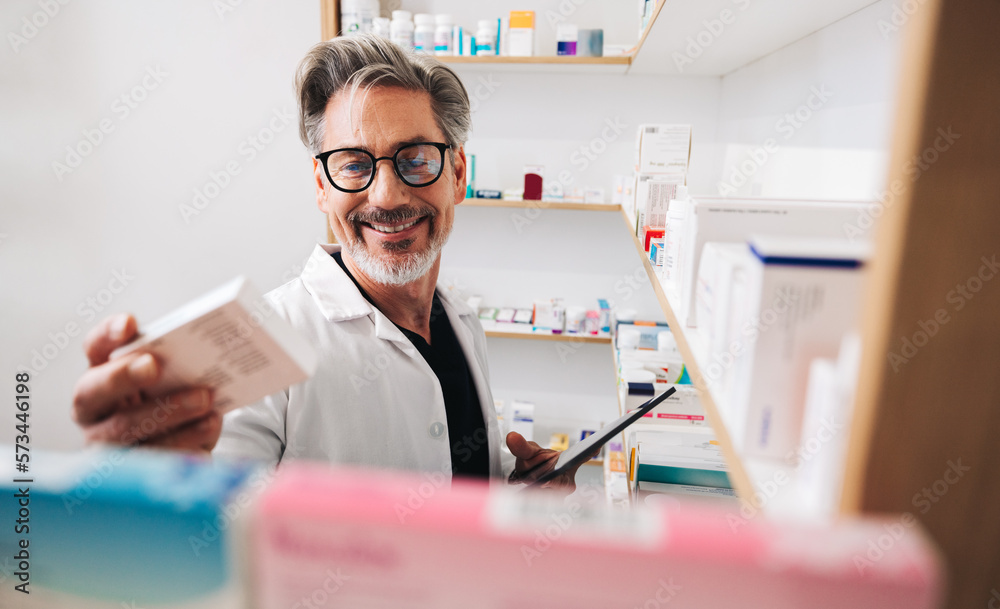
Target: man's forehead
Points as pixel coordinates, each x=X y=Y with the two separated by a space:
x=380 y=116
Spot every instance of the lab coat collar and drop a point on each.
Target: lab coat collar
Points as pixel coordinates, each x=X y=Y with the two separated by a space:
x=335 y=294
x=339 y=299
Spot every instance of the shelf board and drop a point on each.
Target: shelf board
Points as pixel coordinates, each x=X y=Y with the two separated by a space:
x=529 y=334
x=474 y=202
x=536 y=59
x=551 y=63
x=738 y=472
x=754 y=31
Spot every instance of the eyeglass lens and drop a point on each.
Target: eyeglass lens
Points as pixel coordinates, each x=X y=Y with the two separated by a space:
x=417 y=165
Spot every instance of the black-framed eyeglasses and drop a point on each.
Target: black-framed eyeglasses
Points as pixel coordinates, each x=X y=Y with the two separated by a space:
x=353 y=169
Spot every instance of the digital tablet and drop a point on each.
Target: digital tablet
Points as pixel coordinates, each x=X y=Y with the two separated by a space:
x=584 y=449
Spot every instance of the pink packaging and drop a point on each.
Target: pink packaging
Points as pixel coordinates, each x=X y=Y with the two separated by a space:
x=351 y=538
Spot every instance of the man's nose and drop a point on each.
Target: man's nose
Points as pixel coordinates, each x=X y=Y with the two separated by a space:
x=387 y=189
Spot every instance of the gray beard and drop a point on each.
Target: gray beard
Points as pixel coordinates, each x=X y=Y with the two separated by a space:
x=403 y=268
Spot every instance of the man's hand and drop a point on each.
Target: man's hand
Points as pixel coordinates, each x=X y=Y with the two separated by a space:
x=529 y=456
x=110 y=406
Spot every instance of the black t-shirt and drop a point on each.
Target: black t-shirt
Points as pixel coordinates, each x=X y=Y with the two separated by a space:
x=470 y=455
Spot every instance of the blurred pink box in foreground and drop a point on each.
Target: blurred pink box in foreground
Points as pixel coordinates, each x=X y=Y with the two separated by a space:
x=352 y=538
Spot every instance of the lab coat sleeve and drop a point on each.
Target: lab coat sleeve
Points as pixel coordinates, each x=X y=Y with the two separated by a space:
x=256 y=431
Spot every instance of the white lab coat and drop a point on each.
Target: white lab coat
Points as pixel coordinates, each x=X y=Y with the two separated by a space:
x=373 y=401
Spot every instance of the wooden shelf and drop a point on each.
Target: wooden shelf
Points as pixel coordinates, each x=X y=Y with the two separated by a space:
x=527 y=333
x=563 y=64
x=738 y=472
x=541 y=204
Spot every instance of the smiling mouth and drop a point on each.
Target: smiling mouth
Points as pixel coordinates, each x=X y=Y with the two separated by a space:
x=390 y=229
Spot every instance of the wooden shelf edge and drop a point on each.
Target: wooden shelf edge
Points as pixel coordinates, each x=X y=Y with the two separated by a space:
x=617 y=60
x=645 y=34
x=474 y=202
x=566 y=338
x=737 y=472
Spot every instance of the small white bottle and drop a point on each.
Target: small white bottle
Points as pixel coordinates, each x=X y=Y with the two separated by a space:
x=486 y=37
x=401 y=29
x=423 y=33
x=356 y=16
x=442 y=35
x=380 y=27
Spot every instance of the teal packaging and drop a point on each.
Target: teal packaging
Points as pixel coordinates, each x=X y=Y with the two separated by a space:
x=103 y=528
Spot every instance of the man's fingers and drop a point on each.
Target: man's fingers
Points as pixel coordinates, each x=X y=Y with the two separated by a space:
x=521 y=448
x=152 y=420
x=104 y=389
x=105 y=337
x=200 y=435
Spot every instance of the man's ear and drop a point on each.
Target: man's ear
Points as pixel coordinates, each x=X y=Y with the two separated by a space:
x=461 y=179
x=320 y=178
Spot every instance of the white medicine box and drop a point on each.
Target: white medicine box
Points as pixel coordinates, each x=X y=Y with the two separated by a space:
x=803 y=296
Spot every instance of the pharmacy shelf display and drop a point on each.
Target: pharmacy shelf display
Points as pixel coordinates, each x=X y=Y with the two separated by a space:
x=747 y=475
x=474 y=202
x=540 y=63
x=939 y=405
x=711 y=37
x=525 y=331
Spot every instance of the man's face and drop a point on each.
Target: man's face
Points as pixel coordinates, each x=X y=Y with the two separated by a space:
x=392 y=232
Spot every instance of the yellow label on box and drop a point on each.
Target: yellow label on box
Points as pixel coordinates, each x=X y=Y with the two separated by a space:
x=522 y=19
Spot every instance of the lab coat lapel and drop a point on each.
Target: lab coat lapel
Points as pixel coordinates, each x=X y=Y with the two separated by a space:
x=458 y=316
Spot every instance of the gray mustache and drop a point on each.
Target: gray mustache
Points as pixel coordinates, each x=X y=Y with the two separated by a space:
x=389 y=216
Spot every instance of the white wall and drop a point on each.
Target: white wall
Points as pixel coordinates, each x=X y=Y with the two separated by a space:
x=836 y=149
x=62 y=240
x=65 y=237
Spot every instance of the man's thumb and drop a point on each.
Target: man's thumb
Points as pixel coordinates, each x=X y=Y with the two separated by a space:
x=518 y=446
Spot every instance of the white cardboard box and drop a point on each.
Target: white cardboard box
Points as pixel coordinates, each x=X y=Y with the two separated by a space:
x=229 y=339
x=804 y=296
x=721 y=219
x=652 y=196
x=663 y=149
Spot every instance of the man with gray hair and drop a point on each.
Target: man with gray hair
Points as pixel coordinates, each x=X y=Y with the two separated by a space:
x=402 y=380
